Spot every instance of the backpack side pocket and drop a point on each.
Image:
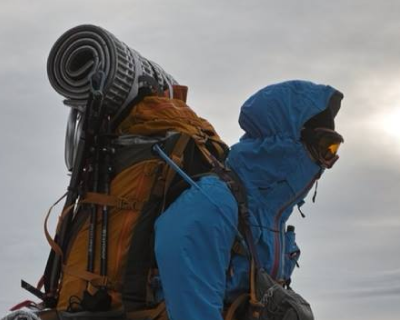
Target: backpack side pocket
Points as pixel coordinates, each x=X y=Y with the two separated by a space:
x=292 y=252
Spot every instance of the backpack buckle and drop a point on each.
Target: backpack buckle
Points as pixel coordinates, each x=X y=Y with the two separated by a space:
x=124 y=204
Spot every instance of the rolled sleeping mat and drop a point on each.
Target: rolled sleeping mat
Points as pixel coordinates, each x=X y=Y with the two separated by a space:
x=80 y=52
x=87 y=48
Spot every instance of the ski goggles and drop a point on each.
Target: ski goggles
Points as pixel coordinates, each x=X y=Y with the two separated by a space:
x=323 y=145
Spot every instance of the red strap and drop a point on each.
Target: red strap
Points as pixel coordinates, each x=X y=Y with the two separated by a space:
x=24 y=304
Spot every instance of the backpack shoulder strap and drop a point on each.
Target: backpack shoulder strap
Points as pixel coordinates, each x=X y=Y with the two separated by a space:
x=239 y=192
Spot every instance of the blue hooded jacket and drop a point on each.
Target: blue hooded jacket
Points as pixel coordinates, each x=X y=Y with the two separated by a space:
x=195 y=235
x=276 y=169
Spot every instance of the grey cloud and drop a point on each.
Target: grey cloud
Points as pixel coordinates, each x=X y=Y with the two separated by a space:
x=386 y=284
x=224 y=50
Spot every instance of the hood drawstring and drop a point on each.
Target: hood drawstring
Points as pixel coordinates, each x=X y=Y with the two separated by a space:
x=315 y=192
x=300 y=204
x=299 y=208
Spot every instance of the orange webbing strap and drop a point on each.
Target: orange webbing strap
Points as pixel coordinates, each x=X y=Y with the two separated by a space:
x=253 y=296
x=149 y=314
x=200 y=142
x=168 y=174
x=217 y=145
x=163 y=184
x=205 y=153
x=235 y=305
x=238 y=249
x=94 y=279
x=53 y=244
x=40 y=283
x=176 y=156
x=179 y=92
x=111 y=201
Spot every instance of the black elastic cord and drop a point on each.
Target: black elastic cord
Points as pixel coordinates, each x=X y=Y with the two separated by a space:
x=116 y=121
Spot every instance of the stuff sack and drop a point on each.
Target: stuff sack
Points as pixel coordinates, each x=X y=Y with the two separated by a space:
x=276 y=302
x=269 y=300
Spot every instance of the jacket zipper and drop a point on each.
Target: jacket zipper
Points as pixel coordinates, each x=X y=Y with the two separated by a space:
x=278 y=243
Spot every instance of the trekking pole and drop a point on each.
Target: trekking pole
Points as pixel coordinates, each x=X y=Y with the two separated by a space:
x=174 y=166
x=106 y=174
x=97 y=81
x=90 y=121
x=101 y=299
x=191 y=182
x=97 y=299
x=93 y=215
x=53 y=265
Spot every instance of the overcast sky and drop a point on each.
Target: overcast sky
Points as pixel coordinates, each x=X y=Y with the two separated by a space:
x=225 y=51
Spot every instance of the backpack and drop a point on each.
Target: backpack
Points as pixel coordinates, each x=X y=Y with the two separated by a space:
x=142 y=185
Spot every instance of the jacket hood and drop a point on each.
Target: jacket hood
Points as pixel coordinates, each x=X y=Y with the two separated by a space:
x=272 y=118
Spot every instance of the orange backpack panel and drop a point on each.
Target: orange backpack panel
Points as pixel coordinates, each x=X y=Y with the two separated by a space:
x=137 y=196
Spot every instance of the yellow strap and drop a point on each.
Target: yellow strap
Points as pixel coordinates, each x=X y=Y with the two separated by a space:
x=235 y=305
x=150 y=314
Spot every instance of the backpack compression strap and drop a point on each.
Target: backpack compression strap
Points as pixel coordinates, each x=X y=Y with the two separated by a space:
x=112 y=201
x=235 y=185
x=160 y=189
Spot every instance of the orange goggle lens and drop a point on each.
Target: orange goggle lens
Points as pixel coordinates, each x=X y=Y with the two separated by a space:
x=329 y=147
x=333 y=149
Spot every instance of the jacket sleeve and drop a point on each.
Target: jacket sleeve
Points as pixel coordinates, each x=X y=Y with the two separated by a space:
x=194 y=237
